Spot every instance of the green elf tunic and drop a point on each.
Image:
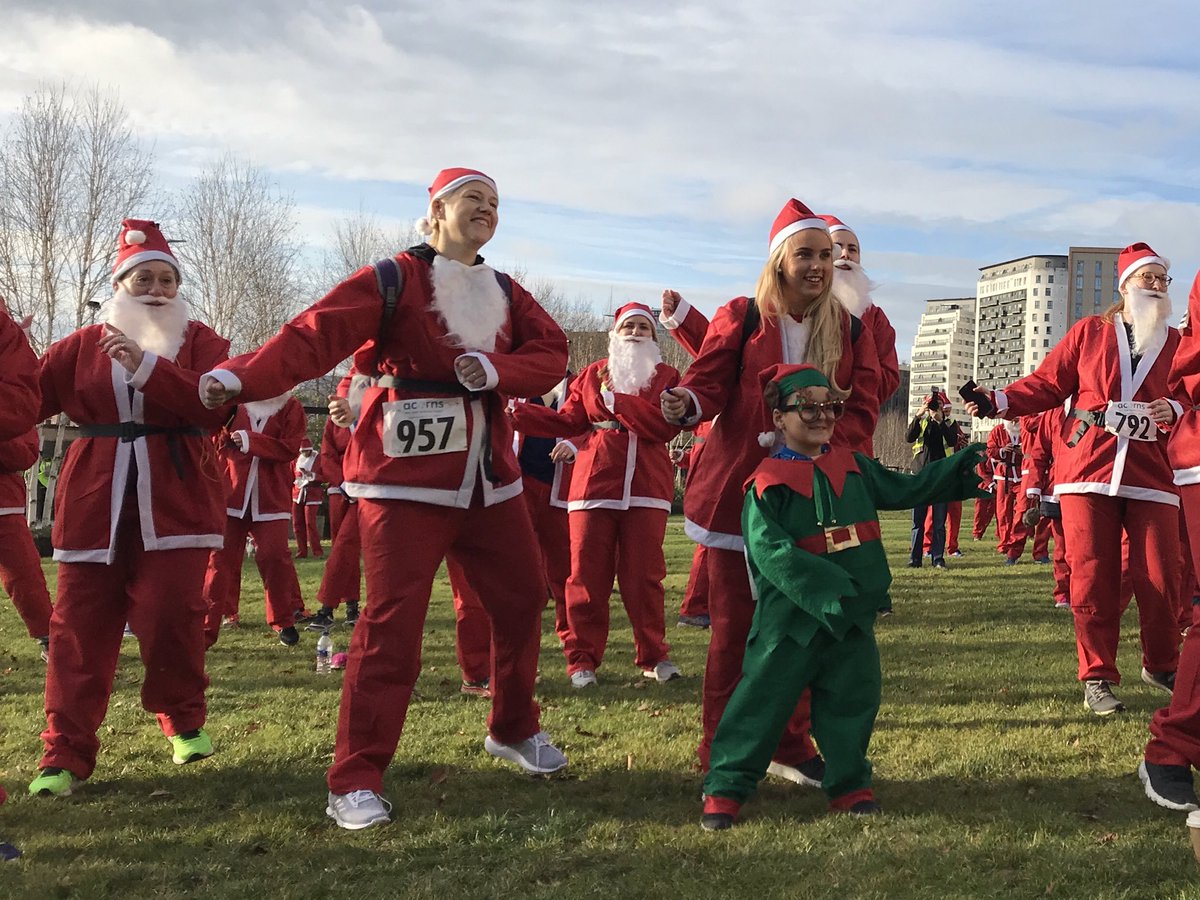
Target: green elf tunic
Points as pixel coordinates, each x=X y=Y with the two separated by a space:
x=820 y=574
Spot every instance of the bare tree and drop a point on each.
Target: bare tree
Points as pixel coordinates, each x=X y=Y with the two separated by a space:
x=360 y=239
x=237 y=245
x=891 y=448
x=70 y=170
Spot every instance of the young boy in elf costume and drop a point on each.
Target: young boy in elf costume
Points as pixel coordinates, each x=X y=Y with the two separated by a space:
x=820 y=576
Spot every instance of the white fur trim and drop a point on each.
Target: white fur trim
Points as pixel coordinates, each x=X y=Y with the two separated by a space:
x=1140 y=263
x=716 y=539
x=227 y=379
x=1187 y=476
x=137 y=259
x=800 y=225
x=424 y=225
x=493 y=377
x=1000 y=401
x=458 y=182
x=135 y=237
x=137 y=380
x=630 y=313
x=1108 y=489
x=766 y=438
x=1178 y=407
x=673 y=322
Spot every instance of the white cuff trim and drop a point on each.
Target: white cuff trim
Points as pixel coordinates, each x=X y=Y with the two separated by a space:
x=673 y=322
x=137 y=380
x=1001 y=400
x=228 y=380
x=493 y=377
x=1178 y=407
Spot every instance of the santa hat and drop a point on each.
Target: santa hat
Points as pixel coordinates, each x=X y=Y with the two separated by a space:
x=305 y=444
x=141 y=241
x=632 y=309
x=942 y=396
x=789 y=379
x=1134 y=257
x=836 y=224
x=794 y=216
x=447 y=181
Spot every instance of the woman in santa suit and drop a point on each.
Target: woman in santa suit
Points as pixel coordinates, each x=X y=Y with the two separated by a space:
x=793 y=319
x=621 y=492
x=1113 y=475
x=140 y=505
x=432 y=467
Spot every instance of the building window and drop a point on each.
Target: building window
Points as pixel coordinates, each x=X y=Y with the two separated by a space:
x=1079 y=267
x=1035 y=329
x=1035 y=355
x=1079 y=281
x=1098 y=269
x=1096 y=296
x=1035 y=292
x=1046 y=343
x=1049 y=303
x=1037 y=279
x=1049 y=280
x=1048 y=292
x=1047 y=317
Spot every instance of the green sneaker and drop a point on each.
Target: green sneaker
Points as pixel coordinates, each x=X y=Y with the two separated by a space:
x=54 y=782
x=190 y=746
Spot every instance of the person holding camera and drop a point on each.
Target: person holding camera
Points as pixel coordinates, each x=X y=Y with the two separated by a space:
x=933 y=436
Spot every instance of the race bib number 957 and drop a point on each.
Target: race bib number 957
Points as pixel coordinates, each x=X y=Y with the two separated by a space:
x=1130 y=419
x=424 y=427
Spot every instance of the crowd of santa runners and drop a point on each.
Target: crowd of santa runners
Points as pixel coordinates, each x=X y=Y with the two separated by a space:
x=460 y=436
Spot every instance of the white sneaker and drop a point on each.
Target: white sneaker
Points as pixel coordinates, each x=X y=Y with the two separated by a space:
x=536 y=755
x=663 y=672
x=358 y=810
x=584 y=678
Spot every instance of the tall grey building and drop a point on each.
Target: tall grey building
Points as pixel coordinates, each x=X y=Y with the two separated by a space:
x=943 y=353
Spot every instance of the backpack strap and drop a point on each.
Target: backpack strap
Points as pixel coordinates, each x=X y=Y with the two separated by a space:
x=390 y=280
x=749 y=325
x=856 y=327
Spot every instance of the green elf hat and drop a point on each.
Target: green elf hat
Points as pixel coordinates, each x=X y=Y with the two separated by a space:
x=790 y=379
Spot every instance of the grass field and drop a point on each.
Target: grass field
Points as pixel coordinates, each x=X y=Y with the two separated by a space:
x=994 y=780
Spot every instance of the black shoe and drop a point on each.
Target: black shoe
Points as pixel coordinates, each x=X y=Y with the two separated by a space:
x=940 y=564
x=1169 y=786
x=44 y=648
x=8 y=852
x=289 y=636
x=813 y=769
x=914 y=564
x=351 y=612
x=865 y=808
x=886 y=611
x=1162 y=680
x=322 y=620
x=716 y=821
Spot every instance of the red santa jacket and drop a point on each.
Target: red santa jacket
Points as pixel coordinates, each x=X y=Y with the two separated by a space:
x=1004 y=452
x=1039 y=444
x=259 y=480
x=688 y=326
x=306 y=484
x=177 y=510
x=20 y=392
x=624 y=462
x=16 y=455
x=724 y=380
x=529 y=358
x=1183 y=448
x=334 y=442
x=1092 y=363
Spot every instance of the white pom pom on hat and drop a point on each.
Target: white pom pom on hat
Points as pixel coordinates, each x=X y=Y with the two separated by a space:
x=135 y=237
x=766 y=439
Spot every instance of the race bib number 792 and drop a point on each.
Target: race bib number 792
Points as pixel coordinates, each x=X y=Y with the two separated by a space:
x=1130 y=419
x=424 y=426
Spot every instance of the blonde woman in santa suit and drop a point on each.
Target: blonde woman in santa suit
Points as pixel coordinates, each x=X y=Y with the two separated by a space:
x=799 y=321
x=432 y=467
x=1112 y=476
x=621 y=491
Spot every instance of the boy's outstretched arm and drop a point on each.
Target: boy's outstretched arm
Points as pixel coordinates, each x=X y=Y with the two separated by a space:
x=943 y=480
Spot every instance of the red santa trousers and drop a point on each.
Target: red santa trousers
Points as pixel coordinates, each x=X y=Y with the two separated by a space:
x=1041 y=539
x=552 y=526
x=953 y=527
x=1011 y=532
x=304 y=523
x=629 y=544
x=985 y=510
x=160 y=595
x=22 y=576
x=1093 y=525
x=1187 y=579
x=341 y=580
x=1062 y=569
x=1175 y=729
x=403 y=545
x=731 y=606
x=472 y=630
x=223 y=580
x=338 y=504
x=695 y=595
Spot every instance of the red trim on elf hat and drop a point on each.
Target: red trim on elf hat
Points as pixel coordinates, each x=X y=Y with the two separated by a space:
x=141 y=241
x=1134 y=257
x=794 y=216
x=836 y=224
x=632 y=309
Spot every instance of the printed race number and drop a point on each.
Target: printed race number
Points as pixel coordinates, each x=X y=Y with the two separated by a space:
x=1130 y=419
x=424 y=427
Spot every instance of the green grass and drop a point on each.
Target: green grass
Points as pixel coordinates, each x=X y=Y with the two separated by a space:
x=995 y=781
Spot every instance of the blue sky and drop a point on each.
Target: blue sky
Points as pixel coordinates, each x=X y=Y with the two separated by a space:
x=641 y=146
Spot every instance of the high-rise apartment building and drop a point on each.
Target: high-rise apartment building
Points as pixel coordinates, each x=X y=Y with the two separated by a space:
x=943 y=353
x=1021 y=313
x=1092 y=285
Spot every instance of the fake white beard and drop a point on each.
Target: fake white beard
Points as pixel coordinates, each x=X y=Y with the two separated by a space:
x=264 y=409
x=1013 y=429
x=1147 y=313
x=159 y=329
x=632 y=362
x=851 y=287
x=470 y=302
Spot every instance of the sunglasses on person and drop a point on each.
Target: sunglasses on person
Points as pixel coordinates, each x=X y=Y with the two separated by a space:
x=812 y=412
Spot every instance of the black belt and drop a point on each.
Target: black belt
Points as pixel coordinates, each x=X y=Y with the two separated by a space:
x=609 y=425
x=128 y=432
x=1087 y=418
x=396 y=383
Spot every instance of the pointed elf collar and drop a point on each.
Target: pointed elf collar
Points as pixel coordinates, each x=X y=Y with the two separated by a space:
x=798 y=474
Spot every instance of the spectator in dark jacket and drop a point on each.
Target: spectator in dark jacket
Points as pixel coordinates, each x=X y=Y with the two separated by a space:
x=933 y=436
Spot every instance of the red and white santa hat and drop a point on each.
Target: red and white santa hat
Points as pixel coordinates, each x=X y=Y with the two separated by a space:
x=794 y=216
x=141 y=241
x=1134 y=257
x=449 y=180
x=632 y=309
x=836 y=224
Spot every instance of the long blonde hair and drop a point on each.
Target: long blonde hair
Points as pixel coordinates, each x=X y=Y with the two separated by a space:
x=824 y=316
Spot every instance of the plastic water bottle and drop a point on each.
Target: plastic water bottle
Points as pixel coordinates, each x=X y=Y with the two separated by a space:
x=324 y=653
